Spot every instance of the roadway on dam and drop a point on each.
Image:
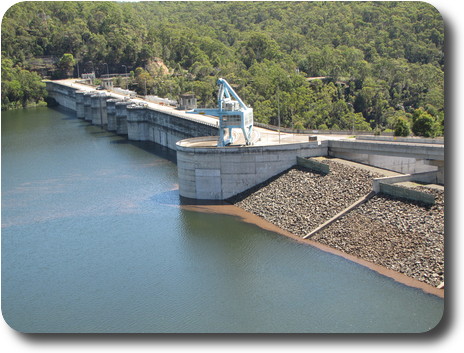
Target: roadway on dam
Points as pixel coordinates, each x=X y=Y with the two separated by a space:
x=261 y=136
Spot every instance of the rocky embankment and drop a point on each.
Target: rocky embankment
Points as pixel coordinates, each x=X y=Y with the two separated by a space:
x=299 y=200
x=403 y=236
x=406 y=237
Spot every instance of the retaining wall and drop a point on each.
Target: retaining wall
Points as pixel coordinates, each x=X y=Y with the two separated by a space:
x=313 y=165
x=439 y=140
x=405 y=193
x=395 y=163
x=426 y=177
x=407 y=158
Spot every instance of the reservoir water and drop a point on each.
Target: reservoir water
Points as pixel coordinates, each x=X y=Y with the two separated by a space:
x=95 y=239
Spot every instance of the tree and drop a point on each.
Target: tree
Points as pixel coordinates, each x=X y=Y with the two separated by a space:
x=204 y=92
x=66 y=65
x=258 y=47
x=376 y=57
x=20 y=87
x=423 y=124
x=402 y=127
x=144 y=81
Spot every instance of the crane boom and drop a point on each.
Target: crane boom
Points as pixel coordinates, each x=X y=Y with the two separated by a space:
x=232 y=113
x=228 y=90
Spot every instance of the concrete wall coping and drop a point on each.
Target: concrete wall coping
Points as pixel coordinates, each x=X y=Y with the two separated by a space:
x=388 y=144
x=99 y=94
x=185 y=146
x=389 y=148
x=425 y=177
x=438 y=141
x=134 y=106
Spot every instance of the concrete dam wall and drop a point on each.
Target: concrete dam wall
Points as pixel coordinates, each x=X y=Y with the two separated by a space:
x=218 y=173
x=144 y=124
x=129 y=117
x=204 y=173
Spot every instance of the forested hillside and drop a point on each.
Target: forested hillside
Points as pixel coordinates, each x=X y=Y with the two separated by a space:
x=337 y=65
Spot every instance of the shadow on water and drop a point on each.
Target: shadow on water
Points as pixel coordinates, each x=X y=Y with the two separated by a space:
x=151 y=147
x=172 y=198
x=99 y=131
x=185 y=201
x=68 y=113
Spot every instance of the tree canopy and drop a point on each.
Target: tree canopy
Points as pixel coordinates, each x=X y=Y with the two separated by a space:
x=321 y=64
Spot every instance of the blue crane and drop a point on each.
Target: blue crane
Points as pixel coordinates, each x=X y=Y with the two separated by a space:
x=232 y=113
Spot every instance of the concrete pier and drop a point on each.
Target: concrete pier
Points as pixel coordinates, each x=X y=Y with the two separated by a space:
x=121 y=117
x=111 y=114
x=88 y=106
x=98 y=108
x=80 y=112
x=137 y=124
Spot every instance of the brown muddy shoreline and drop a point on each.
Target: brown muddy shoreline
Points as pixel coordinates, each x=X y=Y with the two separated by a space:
x=231 y=210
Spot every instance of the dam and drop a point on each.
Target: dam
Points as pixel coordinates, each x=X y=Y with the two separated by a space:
x=209 y=172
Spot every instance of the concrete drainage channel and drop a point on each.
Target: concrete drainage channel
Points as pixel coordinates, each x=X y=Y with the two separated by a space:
x=341 y=214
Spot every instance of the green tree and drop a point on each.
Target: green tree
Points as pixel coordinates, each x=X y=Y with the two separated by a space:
x=66 y=65
x=424 y=124
x=258 y=47
x=377 y=56
x=20 y=87
x=402 y=127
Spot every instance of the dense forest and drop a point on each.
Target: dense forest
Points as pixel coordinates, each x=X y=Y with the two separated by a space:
x=319 y=65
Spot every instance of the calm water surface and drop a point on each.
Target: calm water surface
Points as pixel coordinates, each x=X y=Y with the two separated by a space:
x=94 y=239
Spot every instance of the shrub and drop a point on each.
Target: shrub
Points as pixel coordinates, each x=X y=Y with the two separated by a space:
x=335 y=127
